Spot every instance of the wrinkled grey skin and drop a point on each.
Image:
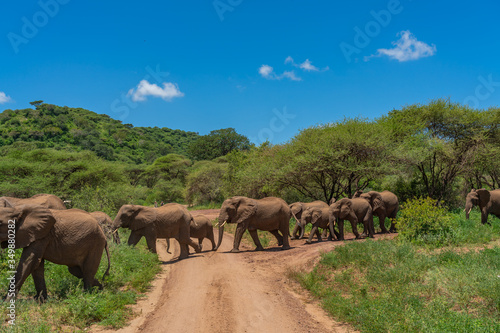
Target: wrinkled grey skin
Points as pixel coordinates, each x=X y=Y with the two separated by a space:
x=297 y=208
x=384 y=204
x=200 y=227
x=270 y=214
x=168 y=221
x=43 y=200
x=488 y=202
x=65 y=237
x=319 y=218
x=356 y=210
x=106 y=224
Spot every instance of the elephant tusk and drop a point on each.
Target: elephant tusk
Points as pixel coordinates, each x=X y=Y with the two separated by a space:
x=223 y=224
x=217 y=224
x=114 y=232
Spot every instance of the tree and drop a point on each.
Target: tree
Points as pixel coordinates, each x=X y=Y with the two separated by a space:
x=218 y=143
x=438 y=142
x=36 y=104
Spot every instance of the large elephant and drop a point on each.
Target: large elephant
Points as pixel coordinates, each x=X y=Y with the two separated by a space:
x=270 y=214
x=297 y=208
x=384 y=204
x=44 y=200
x=200 y=227
x=319 y=218
x=354 y=210
x=168 y=221
x=488 y=202
x=106 y=224
x=66 y=237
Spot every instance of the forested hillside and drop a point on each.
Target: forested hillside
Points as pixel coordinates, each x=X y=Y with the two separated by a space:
x=52 y=126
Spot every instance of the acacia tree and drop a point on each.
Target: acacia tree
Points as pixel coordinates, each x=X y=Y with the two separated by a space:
x=218 y=143
x=437 y=142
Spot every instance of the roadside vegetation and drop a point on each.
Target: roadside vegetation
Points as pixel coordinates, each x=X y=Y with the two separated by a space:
x=438 y=275
x=69 y=308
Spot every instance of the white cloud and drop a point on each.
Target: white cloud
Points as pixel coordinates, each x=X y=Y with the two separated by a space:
x=289 y=59
x=291 y=75
x=4 y=98
x=308 y=66
x=144 y=89
x=406 y=48
x=267 y=72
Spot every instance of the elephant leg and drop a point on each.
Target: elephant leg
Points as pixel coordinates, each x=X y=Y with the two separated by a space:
x=368 y=223
x=295 y=232
x=210 y=235
x=354 y=225
x=240 y=229
x=285 y=232
x=134 y=238
x=200 y=243
x=341 y=230
x=313 y=231
x=150 y=236
x=29 y=261
x=484 y=217
x=279 y=238
x=39 y=280
x=256 y=240
x=318 y=235
x=325 y=233
x=381 y=220
x=184 y=249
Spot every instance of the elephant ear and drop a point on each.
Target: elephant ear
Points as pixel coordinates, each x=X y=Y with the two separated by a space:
x=377 y=202
x=332 y=201
x=484 y=197
x=144 y=216
x=316 y=214
x=246 y=208
x=35 y=223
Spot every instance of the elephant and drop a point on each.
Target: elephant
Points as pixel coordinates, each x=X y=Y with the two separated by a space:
x=65 y=237
x=355 y=210
x=270 y=214
x=319 y=217
x=384 y=204
x=106 y=224
x=45 y=200
x=168 y=221
x=488 y=202
x=297 y=208
x=200 y=227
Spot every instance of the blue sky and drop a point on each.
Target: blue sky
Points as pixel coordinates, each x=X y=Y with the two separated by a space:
x=266 y=68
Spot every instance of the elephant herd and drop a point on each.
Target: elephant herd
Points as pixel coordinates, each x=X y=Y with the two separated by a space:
x=46 y=230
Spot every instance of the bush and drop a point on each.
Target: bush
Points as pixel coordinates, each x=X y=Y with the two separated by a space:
x=422 y=221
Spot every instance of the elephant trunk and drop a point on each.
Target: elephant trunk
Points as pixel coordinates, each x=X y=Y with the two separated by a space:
x=116 y=237
x=468 y=208
x=221 y=234
x=302 y=229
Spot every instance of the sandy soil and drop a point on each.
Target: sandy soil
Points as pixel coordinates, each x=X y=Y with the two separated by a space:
x=234 y=292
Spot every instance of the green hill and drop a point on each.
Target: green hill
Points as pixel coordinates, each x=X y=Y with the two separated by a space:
x=76 y=129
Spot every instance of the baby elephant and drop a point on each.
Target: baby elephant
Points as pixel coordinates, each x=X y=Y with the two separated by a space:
x=200 y=227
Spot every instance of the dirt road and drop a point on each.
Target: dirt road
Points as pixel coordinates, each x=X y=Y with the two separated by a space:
x=227 y=292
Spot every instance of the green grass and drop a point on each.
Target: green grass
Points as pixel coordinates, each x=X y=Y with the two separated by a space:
x=398 y=286
x=69 y=308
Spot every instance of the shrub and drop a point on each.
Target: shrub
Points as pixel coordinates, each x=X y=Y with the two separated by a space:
x=422 y=221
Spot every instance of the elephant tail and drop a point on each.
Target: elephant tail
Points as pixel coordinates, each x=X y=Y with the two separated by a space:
x=109 y=261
